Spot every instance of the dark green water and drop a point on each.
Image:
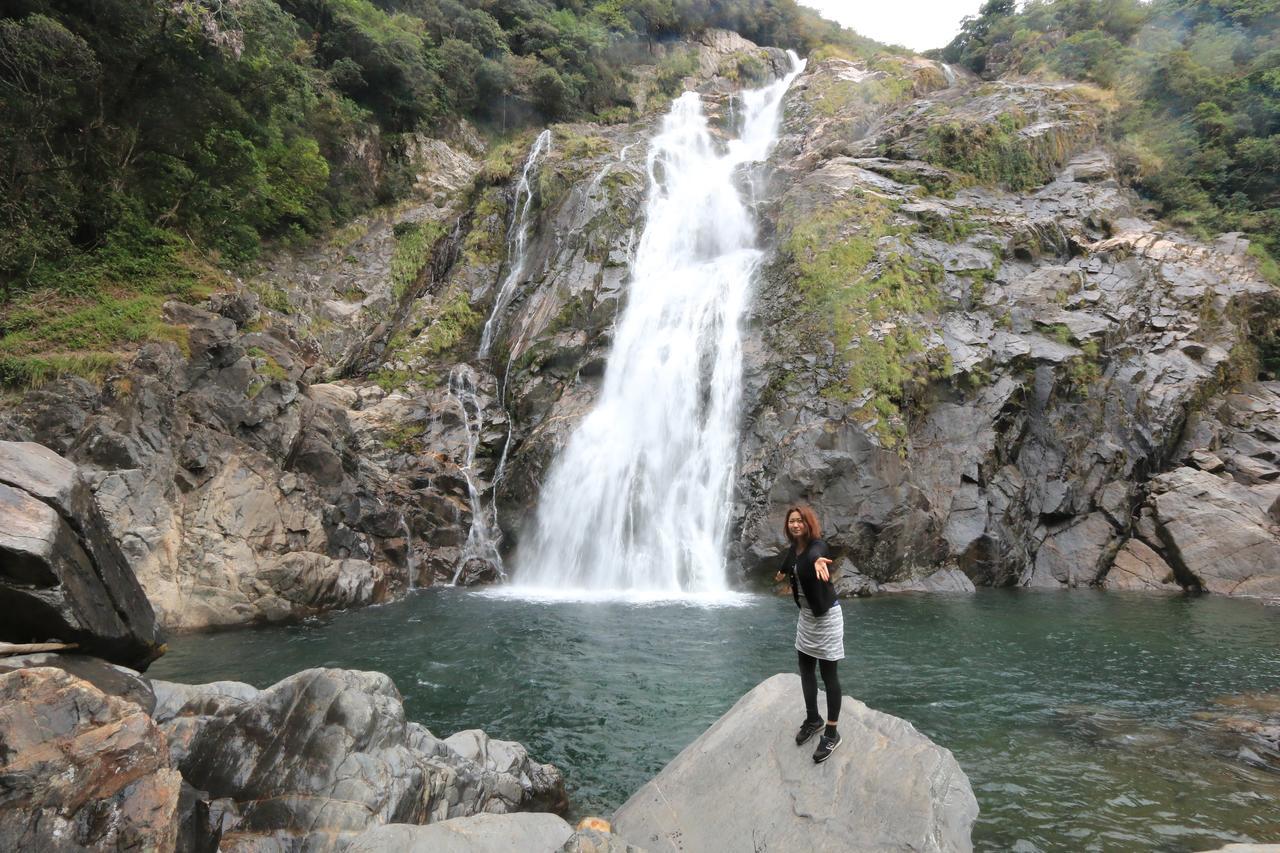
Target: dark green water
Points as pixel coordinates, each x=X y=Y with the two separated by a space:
x=1070 y=712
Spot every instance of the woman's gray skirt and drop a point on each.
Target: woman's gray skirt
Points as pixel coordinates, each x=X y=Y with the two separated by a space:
x=822 y=636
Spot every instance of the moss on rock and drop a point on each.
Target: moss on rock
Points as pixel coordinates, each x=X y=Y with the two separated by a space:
x=872 y=298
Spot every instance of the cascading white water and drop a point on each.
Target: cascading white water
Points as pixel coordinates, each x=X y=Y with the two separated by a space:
x=517 y=236
x=482 y=540
x=638 y=502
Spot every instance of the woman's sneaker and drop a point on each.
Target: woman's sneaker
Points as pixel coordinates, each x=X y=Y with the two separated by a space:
x=808 y=729
x=826 y=746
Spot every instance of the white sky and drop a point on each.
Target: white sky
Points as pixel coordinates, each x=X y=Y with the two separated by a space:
x=917 y=24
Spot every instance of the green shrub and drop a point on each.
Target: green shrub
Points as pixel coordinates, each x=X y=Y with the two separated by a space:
x=453 y=321
x=415 y=242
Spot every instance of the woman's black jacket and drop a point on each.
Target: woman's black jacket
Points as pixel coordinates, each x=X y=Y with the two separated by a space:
x=820 y=594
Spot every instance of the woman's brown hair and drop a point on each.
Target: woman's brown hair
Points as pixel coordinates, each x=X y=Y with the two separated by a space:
x=810 y=521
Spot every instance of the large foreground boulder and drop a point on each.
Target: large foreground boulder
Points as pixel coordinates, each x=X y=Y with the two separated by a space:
x=745 y=785
x=62 y=574
x=79 y=769
x=326 y=754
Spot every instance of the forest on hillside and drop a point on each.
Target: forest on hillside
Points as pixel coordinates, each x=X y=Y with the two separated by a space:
x=131 y=130
x=1196 y=84
x=149 y=146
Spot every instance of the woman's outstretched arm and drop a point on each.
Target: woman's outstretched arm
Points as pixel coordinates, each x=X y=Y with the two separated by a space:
x=822 y=560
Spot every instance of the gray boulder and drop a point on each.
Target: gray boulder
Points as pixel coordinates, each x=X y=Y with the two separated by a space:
x=326 y=754
x=182 y=710
x=62 y=574
x=1075 y=554
x=1215 y=534
x=851 y=583
x=1139 y=568
x=745 y=785
x=484 y=833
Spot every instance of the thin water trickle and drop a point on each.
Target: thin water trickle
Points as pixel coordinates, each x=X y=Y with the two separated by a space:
x=517 y=237
x=484 y=538
x=409 y=562
x=638 y=502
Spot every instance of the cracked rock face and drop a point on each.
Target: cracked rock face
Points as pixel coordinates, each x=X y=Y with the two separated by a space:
x=744 y=785
x=234 y=498
x=1073 y=340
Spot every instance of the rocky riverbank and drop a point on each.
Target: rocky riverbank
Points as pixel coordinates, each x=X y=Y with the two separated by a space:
x=112 y=760
x=98 y=756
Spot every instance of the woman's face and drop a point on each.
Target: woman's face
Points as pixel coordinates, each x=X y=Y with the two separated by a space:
x=796 y=526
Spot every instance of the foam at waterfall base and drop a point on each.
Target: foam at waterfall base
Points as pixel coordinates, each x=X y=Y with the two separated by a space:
x=560 y=595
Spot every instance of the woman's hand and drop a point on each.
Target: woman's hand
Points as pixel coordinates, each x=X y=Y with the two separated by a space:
x=821 y=570
x=779 y=577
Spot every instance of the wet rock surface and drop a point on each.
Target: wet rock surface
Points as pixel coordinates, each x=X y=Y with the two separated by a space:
x=1246 y=728
x=744 y=784
x=1236 y=734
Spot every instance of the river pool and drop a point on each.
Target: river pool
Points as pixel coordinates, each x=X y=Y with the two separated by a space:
x=1072 y=713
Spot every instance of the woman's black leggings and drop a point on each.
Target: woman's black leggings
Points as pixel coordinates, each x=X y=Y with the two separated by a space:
x=809 y=684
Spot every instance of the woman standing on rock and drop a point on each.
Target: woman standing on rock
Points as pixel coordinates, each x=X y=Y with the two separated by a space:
x=820 y=629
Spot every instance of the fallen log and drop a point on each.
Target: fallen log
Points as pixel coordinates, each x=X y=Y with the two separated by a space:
x=28 y=648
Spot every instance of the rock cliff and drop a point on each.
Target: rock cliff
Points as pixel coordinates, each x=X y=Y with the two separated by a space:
x=62 y=575
x=971 y=347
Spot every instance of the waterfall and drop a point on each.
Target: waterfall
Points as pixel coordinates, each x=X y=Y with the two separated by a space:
x=949 y=73
x=483 y=538
x=517 y=236
x=638 y=501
